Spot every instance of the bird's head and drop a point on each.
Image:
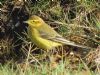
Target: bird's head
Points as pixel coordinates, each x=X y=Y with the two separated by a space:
x=34 y=21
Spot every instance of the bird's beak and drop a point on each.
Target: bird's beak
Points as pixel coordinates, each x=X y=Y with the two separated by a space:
x=25 y=22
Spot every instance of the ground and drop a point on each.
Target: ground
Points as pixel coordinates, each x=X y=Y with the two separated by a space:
x=76 y=20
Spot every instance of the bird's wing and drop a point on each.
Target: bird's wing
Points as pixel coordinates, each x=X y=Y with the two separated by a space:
x=56 y=38
x=60 y=39
x=48 y=33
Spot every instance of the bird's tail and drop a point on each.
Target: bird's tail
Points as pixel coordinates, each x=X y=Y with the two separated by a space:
x=67 y=42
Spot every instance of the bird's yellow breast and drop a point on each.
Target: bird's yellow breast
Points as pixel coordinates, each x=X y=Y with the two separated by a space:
x=39 y=41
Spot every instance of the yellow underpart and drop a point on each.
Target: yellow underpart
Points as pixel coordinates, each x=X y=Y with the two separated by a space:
x=39 y=41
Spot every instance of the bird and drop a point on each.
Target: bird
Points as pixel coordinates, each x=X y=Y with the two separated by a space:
x=44 y=36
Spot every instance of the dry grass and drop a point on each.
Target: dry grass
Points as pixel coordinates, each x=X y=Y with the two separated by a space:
x=77 y=21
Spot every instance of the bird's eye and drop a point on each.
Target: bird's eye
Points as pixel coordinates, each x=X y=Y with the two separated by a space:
x=33 y=21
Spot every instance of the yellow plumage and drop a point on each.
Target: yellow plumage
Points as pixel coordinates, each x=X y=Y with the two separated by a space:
x=44 y=36
x=41 y=42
